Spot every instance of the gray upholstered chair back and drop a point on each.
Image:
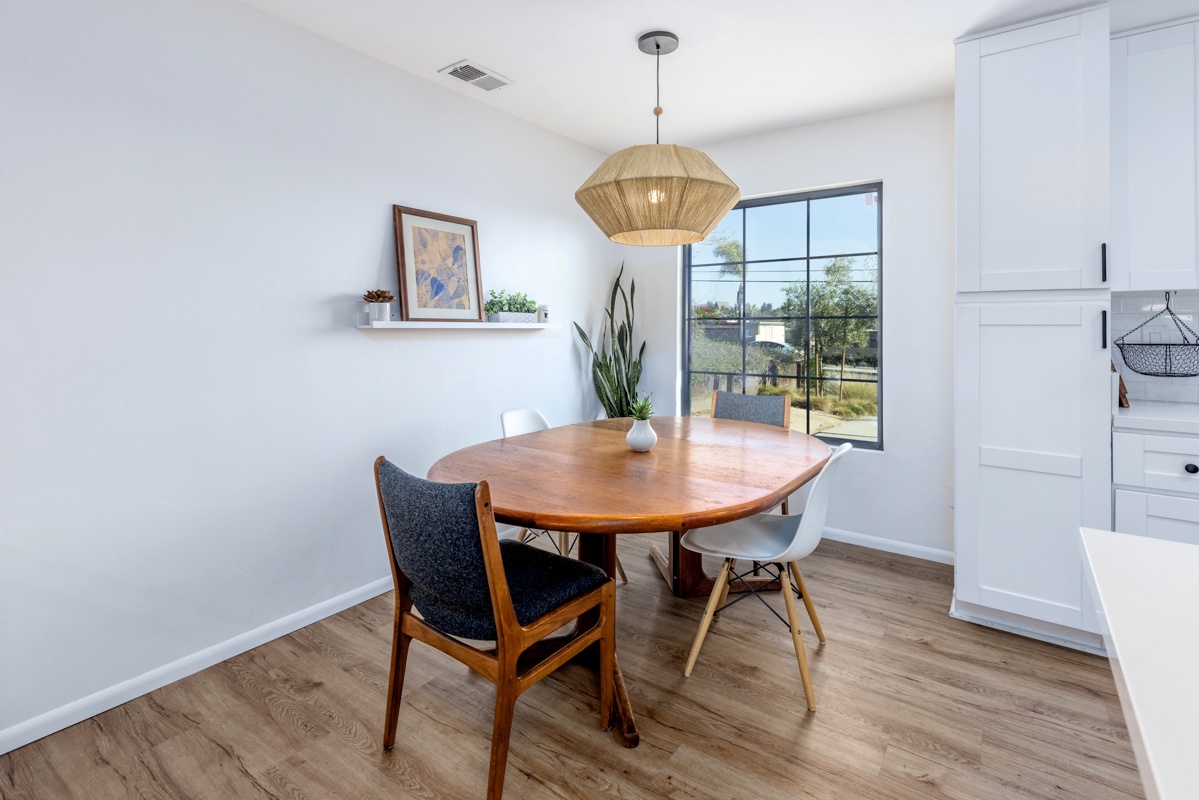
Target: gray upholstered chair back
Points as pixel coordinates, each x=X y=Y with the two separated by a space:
x=435 y=537
x=768 y=410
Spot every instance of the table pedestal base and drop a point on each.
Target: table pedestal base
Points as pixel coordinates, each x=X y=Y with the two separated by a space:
x=683 y=571
x=600 y=550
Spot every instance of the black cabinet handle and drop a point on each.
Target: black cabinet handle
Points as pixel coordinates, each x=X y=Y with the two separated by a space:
x=1191 y=468
x=1103 y=332
x=1103 y=260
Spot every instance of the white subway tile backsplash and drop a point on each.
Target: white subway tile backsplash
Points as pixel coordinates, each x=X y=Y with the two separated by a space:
x=1130 y=309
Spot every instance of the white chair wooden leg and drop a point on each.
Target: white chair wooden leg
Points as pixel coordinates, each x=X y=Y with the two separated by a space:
x=713 y=603
x=523 y=535
x=797 y=640
x=564 y=543
x=724 y=596
x=807 y=600
x=620 y=569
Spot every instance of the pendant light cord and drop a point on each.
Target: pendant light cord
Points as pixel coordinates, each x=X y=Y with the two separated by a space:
x=657 y=91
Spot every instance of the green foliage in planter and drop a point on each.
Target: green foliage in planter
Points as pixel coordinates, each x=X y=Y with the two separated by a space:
x=643 y=408
x=614 y=371
x=514 y=303
x=851 y=401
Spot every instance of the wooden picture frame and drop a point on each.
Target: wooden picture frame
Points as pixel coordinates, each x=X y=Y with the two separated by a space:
x=437 y=261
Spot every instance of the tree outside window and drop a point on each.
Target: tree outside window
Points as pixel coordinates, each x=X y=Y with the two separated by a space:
x=786 y=301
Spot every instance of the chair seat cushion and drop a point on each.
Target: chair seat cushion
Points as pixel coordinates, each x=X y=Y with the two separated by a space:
x=762 y=537
x=539 y=582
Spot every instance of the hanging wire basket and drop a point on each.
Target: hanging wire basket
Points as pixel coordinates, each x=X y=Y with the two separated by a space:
x=1163 y=360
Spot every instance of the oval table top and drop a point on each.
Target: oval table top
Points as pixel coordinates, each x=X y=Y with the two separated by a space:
x=585 y=478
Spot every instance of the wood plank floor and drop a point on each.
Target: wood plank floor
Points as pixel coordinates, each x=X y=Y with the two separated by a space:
x=912 y=704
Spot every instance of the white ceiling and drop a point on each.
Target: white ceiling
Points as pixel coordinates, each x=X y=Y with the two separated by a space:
x=742 y=67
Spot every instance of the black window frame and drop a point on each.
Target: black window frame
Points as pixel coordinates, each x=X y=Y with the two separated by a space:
x=794 y=197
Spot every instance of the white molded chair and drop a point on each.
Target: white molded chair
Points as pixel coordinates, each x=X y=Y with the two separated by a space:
x=518 y=421
x=769 y=539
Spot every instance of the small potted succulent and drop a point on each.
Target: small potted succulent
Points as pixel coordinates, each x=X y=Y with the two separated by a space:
x=504 y=307
x=641 y=436
x=378 y=303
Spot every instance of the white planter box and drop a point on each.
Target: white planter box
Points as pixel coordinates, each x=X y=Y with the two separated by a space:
x=511 y=316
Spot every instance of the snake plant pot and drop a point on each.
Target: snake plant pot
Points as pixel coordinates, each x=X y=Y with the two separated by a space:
x=379 y=312
x=641 y=436
x=511 y=316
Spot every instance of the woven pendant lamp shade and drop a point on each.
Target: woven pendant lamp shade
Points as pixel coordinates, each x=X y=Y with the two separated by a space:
x=657 y=194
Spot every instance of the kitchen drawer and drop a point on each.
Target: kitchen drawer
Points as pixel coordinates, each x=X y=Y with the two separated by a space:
x=1158 y=516
x=1155 y=462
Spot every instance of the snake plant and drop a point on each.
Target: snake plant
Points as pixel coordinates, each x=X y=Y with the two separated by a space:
x=613 y=368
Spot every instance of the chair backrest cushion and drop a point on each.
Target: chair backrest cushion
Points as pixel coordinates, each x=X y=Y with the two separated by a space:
x=811 y=525
x=517 y=421
x=768 y=410
x=435 y=537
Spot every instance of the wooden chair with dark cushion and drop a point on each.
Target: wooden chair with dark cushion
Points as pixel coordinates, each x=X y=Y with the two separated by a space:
x=447 y=561
x=766 y=409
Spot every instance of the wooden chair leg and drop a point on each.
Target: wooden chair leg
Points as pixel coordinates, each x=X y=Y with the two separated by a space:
x=395 y=684
x=797 y=640
x=722 y=581
x=523 y=535
x=607 y=665
x=501 y=732
x=564 y=543
x=620 y=569
x=724 y=596
x=807 y=600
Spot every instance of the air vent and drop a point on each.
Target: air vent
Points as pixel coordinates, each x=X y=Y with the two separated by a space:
x=476 y=75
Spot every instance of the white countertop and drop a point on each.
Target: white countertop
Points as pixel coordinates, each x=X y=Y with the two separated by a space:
x=1149 y=415
x=1149 y=592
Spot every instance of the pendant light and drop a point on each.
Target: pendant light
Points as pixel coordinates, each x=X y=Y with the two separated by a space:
x=657 y=194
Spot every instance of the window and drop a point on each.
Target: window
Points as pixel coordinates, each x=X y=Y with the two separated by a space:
x=784 y=298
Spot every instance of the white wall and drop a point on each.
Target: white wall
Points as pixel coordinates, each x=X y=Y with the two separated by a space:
x=897 y=499
x=192 y=195
x=657 y=271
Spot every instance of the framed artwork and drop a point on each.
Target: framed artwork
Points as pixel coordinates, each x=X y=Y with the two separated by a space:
x=437 y=257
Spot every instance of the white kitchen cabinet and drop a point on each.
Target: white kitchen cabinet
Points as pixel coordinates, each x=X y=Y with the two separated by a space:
x=1032 y=397
x=1155 y=468
x=1154 y=144
x=1033 y=128
x=1158 y=516
x=1032 y=459
x=1155 y=462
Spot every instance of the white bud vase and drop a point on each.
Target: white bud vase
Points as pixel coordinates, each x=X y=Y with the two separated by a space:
x=641 y=436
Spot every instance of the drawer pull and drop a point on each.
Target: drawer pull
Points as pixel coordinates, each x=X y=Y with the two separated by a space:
x=1191 y=468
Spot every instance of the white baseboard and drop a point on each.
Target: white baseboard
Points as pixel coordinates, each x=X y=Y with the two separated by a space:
x=1024 y=626
x=890 y=545
x=64 y=716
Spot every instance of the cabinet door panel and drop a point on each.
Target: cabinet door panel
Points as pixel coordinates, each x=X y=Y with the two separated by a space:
x=1032 y=457
x=1154 y=160
x=1158 y=516
x=1155 y=462
x=1033 y=131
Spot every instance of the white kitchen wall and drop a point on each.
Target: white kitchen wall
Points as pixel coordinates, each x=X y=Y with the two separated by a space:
x=1129 y=310
x=897 y=499
x=192 y=196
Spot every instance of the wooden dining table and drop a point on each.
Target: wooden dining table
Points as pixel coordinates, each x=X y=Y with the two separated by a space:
x=586 y=479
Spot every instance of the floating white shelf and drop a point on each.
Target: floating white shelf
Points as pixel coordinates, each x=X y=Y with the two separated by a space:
x=475 y=326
